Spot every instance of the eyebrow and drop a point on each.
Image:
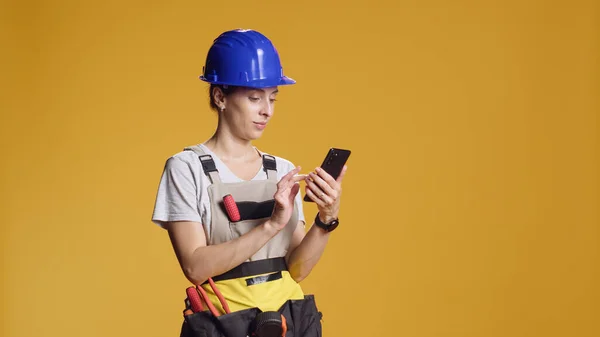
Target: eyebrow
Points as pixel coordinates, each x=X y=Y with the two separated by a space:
x=263 y=91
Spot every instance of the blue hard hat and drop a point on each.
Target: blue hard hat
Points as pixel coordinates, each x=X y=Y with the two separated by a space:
x=244 y=57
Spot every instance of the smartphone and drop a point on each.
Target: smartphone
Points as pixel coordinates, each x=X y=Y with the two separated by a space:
x=333 y=164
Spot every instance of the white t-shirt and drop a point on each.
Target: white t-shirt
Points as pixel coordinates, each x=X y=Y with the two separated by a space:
x=182 y=191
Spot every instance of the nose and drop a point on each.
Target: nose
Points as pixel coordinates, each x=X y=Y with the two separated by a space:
x=267 y=108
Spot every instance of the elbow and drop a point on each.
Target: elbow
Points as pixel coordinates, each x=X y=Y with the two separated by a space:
x=298 y=274
x=298 y=278
x=196 y=276
x=298 y=271
x=195 y=269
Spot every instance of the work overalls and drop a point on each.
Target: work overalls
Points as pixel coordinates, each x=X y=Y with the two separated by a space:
x=261 y=286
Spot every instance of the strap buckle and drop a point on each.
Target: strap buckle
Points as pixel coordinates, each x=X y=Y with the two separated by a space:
x=208 y=164
x=269 y=162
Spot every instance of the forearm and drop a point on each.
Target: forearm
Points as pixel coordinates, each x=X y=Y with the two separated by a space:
x=302 y=260
x=211 y=260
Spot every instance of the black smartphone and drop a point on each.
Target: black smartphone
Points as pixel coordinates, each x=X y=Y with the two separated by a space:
x=333 y=164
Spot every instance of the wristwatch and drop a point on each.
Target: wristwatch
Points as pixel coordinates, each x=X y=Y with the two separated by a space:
x=327 y=226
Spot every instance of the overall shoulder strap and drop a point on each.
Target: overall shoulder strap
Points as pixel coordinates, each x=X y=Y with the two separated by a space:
x=270 y=166
x=208 y=164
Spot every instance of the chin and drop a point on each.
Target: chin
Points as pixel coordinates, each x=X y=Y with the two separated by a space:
x=255 y=135
x=252 y=136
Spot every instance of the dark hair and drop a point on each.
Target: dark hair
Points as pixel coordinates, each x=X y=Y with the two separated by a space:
x=227 y=89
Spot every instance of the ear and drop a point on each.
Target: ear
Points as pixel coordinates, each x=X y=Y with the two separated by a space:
x=219 y=98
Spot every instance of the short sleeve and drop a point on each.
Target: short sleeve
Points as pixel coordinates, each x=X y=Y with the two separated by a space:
x=177 y=196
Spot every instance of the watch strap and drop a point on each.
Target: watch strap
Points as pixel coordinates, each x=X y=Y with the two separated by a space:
x=326 y=226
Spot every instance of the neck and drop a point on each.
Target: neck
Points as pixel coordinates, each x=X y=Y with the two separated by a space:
x=229 y=147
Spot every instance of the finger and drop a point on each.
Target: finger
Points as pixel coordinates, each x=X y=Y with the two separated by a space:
x=299 y=177
x=314 y=197
x=342 y=174
x=325 y=176
x=319 y=193
x=283 y=186
x=293 y=191
x=295 y=179
x=324 y=186
x=284 y=181
x=312 y=185
x=290 y=174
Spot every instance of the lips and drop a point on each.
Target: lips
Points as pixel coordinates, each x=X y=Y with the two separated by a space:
x=260 y=125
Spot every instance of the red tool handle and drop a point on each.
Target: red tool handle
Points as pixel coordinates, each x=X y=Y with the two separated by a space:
x=219 y=295
x=211 y=306
x=283 y=325
x=231 y=207
x=197 y=304
x=194 y=298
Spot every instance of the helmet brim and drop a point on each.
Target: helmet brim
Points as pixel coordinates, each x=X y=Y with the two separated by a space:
x=284 y=80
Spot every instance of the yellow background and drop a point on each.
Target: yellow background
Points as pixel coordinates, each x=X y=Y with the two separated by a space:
x=470 y=206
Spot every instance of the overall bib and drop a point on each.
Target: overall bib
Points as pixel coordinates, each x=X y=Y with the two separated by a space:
x=262 y=285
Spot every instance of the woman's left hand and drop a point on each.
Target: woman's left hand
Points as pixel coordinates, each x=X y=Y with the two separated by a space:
x=325 y=192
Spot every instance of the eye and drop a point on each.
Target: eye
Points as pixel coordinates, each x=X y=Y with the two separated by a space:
x=273 y=100
x=254 y=99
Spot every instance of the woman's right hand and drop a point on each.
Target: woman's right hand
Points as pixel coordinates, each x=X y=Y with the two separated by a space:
x=287 y=189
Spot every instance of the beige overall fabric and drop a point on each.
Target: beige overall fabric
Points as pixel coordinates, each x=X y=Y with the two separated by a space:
x=223 y=230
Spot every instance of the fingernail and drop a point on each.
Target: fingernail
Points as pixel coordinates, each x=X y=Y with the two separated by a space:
x=318 y=169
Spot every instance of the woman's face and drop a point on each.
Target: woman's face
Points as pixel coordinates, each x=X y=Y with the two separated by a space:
x=247 y=111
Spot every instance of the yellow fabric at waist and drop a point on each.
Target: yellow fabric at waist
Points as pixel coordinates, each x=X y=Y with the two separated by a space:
x=267 y=296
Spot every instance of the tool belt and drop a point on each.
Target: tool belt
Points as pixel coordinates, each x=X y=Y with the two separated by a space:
x=295 y=318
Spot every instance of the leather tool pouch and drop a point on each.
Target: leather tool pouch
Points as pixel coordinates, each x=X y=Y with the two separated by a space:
x=302 y=319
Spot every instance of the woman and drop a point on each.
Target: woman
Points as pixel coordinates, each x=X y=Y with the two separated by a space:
x=234 y=214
